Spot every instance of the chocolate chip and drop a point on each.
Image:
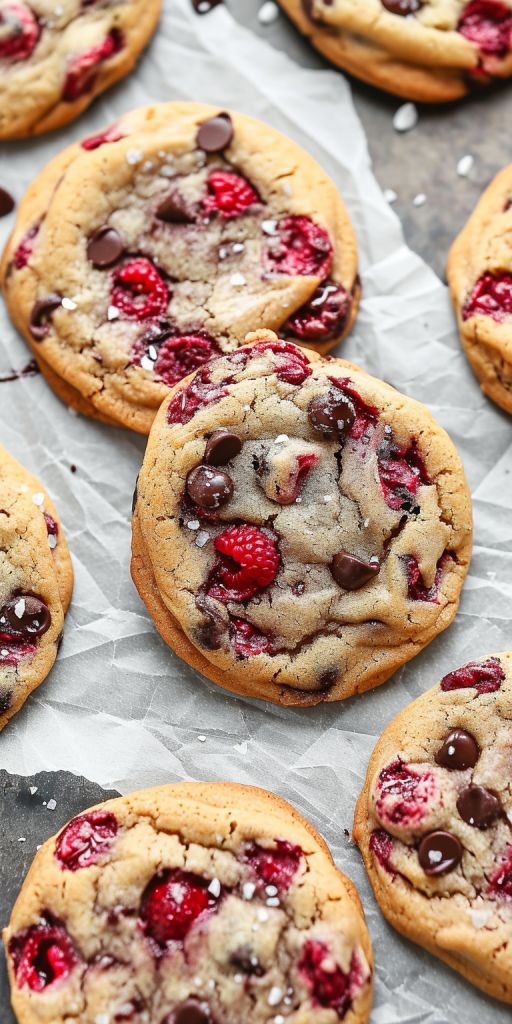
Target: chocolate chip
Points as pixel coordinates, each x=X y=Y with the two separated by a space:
x=402 y=7
x=192 y=1011
x=439 y=852
x=331 y=414
x=244 y=959
x=209 y=488
x=215 y=134
x=172 y=210
x=221 y=447
x=5 y=701
x=26 y=615
x=478 y=806
x=104 y=246
x=459 y=751
x=7 y=203
x=351 y=573
x=41 y=311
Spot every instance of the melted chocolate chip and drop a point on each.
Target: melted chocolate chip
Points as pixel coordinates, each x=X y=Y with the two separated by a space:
x=209 y=488
x=105 y=246
x=478 y=806
x=402 y=7
x=331 y=414
x=192 y=1011
x=7 y=203
x=221 y=447
x=439 y=852
x=41 y=311
x=172 y=210
x=26 y=615
x=215 y=134
x=351 y=573
x=459 y=751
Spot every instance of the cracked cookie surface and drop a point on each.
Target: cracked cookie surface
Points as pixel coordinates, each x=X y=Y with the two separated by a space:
x=36 y=581
x=300 y=529
x=481 y=288
x=56 y=57
x=434 y=822
x=425 y=50
x=189 y=227
x=193 y=903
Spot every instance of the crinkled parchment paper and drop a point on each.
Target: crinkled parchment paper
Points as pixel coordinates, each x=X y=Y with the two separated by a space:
x=119 y=707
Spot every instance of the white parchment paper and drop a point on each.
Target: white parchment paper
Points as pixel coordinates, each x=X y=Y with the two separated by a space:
x=119 y=707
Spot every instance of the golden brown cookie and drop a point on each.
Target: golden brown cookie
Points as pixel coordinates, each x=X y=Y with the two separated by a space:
x=434 y=823
x=194 y=903
x=142 y=252
x=481 y=287
x=300 y=529
x=36 y=582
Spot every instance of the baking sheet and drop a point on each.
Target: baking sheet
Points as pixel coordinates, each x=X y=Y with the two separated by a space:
x=119 y=707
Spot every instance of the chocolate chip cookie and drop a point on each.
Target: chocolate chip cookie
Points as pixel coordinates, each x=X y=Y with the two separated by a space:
x=141 y=253
x=427 y=50
x=36 y=581
x=189 y=904
x=481 y=287
x=300 y=529
x=434 y=822
x=55 y=58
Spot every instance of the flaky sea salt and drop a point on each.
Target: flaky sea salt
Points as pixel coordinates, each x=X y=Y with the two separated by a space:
x=38 y=498
x=420 y=199
x=268 y=12
x=214 y=887
x=275 y=995
x=465 y=165
x=390 y=196
x=405 y=118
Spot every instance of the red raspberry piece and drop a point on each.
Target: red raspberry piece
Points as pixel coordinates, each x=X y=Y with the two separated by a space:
x=111 y=134
x=501 y=882
x=323 y=317
x=277 y=866
x=488 y=24
x=86 y=839
x=300 y=247
x=381 y=845
x=401 y=470
x=202 y=391
x=25 y=248
x=19 y=31
x=229 y=194
x=13 y=651
x=82 y=69
x=249 y=641
x=366 y=415
x=139 y=292
x=171 y=903
x=292 y=363
x=328 y=984
x=403 y=794
x=491 y=296
x=51 y=526
x=251 y=563
x=42 y=955
x=484 y=676
x=417 y=591
x=178 y=355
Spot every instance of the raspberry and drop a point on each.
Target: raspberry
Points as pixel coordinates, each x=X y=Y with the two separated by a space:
x=501 y=881
x=42 y=955
x=401 y=470
x=301 y=247
x=139 y=292
x=277 y=866
x=488 y=24
x=52 y=528
x=366 y=415
x=491 y=296
x=13 y=651
x=403 y=794
x=200 y=392
x=247 y=640
x=111 y=134
x=82 y=69
x=171 y=903
x=178 y=356
x=257 y=556
x=292 y=363
x=19 y=31
x=323 y=317
x=229 y=194
x=86 y=839
x=417 y=591
x=328 y=984
x=25 y=248
x=381 y=845
x=484 y=676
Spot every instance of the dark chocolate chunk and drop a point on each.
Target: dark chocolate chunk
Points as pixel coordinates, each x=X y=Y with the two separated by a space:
x=478 y=806
x=459 y=751
x=221 y=447
x=172 y=210
x=7 y=203
x=215 y=134
x=26 y=615
x=105 y=246
x=41 y=311
x=332 y=414
x=209 y=487
x=439 y=853
x=351 y=572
